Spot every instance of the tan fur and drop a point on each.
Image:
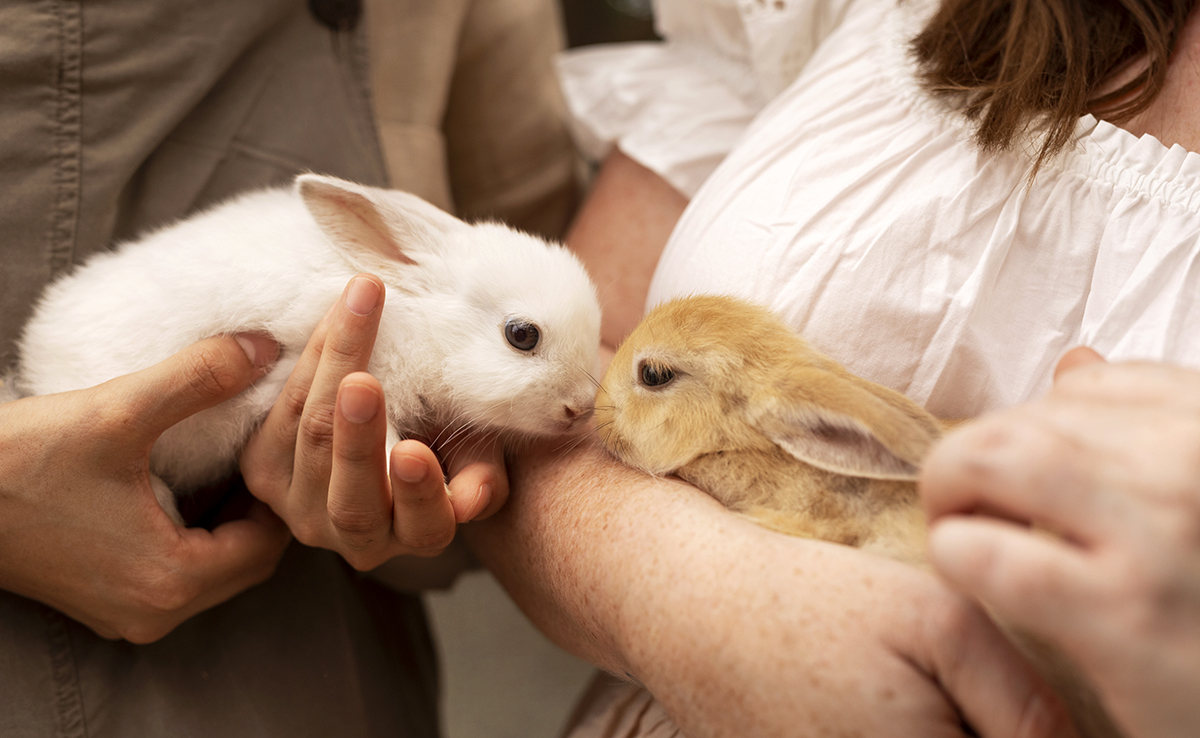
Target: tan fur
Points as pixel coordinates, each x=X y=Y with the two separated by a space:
x=748 y=398
x=759 y=420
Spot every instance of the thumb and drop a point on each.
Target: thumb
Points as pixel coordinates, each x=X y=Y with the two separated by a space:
x=202 y=375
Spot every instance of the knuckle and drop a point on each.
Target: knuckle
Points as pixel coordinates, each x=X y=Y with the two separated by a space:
x=144 y=632
x=1152 y=590
x=266 y=482
x=316 y=430
x=342 y=350
x=163 y=592
x=1044 y=715
x=425 y=494
x=361 y=526
x=358 y=454
x=363 y=561
x=117 y=419
x=430 y=542
x=262 y=570
x=294 y=398
x=308 y=533
x=207 y=376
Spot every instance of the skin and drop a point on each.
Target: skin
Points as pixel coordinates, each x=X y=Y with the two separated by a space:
x=80 y=529
x=1110 y=461
x=319 y=458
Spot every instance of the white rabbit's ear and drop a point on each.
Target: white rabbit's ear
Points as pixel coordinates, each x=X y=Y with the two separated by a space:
x=371 y=227
x=840 y=423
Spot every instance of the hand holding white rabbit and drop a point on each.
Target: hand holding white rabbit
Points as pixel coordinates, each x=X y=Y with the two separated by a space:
x=80 y=529
x=485 y=328
x=1109 y=459
x=320 y=459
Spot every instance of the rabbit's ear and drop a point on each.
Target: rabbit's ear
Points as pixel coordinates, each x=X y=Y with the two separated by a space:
x=838 y=422
x=374 y=229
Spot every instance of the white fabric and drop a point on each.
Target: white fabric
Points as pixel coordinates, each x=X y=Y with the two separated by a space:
x=680 y=106
x=859 y=209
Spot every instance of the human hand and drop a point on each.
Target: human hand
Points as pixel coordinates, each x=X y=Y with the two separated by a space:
x=740 y=631
x=80 y=528
x=1109 y=461
x=320 y=458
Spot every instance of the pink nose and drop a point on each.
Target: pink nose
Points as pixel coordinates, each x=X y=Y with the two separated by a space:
x=574 y=413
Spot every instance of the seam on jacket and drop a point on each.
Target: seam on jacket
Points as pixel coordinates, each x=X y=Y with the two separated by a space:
x=68 y=701
x=68 y=137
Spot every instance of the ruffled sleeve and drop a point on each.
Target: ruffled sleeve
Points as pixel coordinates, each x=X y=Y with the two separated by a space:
x=678 y=106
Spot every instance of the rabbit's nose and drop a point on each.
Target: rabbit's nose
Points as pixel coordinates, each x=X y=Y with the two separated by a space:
x=577 y=414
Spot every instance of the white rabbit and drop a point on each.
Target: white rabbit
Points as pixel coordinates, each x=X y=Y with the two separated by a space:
x=481 y=324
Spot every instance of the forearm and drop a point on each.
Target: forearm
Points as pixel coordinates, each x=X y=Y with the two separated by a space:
x=620 y=233
x=654 y=580
x=741 y=631
x=580 y=529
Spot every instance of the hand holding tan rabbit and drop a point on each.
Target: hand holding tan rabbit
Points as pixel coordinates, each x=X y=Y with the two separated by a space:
x=722 y=394
x=1110 y=459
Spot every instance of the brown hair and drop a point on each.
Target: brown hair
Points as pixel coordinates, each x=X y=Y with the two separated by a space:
x=1013 y=63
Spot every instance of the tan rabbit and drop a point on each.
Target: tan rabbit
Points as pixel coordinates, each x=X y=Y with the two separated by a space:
x=724 y=395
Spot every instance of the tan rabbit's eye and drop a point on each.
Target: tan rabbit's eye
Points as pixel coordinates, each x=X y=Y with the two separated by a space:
x=655 y=376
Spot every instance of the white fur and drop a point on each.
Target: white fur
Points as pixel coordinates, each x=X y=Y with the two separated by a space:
x=276 y=260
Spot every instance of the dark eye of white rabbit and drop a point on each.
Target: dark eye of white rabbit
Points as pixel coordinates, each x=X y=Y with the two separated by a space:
x=521 y=335
x=655 y=375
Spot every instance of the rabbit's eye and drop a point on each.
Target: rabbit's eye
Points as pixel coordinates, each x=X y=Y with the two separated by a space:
x=521 y=335
x=655 y=376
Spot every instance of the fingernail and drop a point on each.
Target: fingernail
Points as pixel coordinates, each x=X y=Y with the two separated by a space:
x=482 y=501
x=410 y=468
x=357 y=403
x=260 y=349
x=363 y=296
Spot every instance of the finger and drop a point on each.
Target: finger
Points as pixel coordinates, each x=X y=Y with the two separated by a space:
x=1018 y=466
x=1005 y=699
x=268 y=458
x=478 y=480
x=233 y=557
x=1031 y=580
x=1077 y=357
x=360 y=501
x=424 y=519
x=1131 y=384
x=353 y=325
x=200 y=376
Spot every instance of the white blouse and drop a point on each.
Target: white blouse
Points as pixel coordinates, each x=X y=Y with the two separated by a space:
x=859 y=209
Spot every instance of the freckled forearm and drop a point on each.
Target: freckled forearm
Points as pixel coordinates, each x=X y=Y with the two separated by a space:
x=550 y=547
x=599 y=556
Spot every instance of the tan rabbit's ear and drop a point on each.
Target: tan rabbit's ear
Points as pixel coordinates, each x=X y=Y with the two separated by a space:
x=374 y=229
x=843 y=424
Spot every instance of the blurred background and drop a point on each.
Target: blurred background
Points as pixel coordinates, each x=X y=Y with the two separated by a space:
x=599 y=21
x=501 y=678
